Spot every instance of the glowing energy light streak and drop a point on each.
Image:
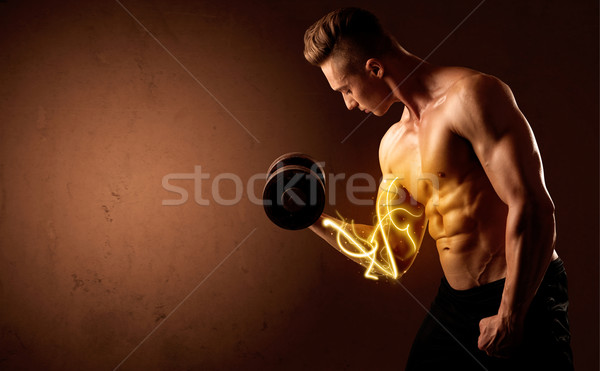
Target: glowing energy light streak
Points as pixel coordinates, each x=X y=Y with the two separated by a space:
x=376 y=252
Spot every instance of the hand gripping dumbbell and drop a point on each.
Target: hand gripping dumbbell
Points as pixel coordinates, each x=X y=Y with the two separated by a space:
x=294 y=195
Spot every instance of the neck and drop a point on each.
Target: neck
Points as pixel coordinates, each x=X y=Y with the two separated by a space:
x=410 y=81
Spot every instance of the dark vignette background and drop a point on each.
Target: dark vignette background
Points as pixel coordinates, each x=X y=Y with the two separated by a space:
x=94 y=113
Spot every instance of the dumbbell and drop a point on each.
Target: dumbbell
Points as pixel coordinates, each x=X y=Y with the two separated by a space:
x=294 y=194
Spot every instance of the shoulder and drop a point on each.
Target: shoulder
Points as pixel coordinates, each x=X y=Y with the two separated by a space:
x=476 y=89
x=390 y=140
x=388 y=134
x=383 y=147
x=481 y=102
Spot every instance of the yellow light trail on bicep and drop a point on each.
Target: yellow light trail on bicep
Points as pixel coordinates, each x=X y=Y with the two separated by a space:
x=368 y=250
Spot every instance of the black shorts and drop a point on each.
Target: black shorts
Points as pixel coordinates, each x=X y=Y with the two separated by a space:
x=451 y=343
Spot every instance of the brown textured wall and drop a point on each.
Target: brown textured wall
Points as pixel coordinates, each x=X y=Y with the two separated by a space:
x=94 y=112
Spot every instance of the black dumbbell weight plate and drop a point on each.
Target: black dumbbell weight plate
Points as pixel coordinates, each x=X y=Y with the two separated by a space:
x=300 y=159
x=294 y=197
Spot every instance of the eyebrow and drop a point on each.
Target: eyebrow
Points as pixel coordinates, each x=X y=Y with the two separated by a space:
x=340 y=88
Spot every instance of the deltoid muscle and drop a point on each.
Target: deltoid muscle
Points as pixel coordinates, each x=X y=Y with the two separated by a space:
x=394 y=241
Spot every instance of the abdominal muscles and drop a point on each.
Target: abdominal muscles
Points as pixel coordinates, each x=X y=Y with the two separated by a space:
x=469 y=223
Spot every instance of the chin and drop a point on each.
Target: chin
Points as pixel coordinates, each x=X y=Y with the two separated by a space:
x=380 y=113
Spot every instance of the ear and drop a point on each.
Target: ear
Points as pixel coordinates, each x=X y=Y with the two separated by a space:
x=374 y=68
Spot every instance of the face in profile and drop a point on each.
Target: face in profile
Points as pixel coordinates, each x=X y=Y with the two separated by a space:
x=364 y=89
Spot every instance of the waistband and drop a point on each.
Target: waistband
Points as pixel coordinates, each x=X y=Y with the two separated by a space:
x=555 y=268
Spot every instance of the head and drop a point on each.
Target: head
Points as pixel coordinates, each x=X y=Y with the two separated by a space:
x=351 y=48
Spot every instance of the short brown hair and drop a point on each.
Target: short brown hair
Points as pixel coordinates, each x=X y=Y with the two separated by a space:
x=353 y=33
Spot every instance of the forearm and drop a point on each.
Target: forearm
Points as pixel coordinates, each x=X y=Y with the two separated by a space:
x=323 y=232
x=330 y=235
x=385 y=249
x=530 y=236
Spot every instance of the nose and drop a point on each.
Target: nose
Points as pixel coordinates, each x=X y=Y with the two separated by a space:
x=350 y=103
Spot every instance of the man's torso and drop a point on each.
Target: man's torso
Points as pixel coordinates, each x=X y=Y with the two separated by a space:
x=441 y=171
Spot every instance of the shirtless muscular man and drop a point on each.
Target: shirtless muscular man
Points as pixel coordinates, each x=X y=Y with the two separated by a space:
x=503 y=299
